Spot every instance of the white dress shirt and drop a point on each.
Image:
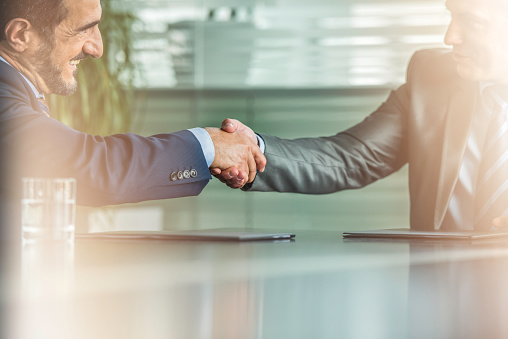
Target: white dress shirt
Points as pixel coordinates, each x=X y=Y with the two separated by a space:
x=460 y=212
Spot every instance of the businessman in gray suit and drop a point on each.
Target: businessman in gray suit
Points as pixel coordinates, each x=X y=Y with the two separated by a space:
x=447 y=122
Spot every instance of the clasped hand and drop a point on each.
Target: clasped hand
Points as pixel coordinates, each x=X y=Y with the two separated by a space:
x=237 y=154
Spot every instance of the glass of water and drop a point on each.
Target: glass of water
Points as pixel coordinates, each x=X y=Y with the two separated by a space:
x=48 y=209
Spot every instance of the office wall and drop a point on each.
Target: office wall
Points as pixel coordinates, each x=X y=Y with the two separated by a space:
x=280 y=43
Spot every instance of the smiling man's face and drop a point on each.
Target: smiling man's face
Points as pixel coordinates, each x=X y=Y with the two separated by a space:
x=478 y=33
x=56 y=58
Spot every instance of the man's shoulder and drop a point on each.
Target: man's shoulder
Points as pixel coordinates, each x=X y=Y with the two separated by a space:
x=9 y=76
x=434 y=60
x=12 y=83
x=435 y=53
x=432 y=65
x=16 y=97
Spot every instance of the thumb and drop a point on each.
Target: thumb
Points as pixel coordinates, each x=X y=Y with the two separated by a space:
x=228 y=125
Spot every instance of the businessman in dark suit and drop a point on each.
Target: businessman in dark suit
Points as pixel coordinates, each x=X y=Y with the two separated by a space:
x=41 y=45
x=447 y=122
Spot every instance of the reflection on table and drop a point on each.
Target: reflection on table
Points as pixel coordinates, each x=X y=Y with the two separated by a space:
x=317 y=286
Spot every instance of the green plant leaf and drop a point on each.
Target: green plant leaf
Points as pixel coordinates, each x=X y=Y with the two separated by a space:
x=103 y=103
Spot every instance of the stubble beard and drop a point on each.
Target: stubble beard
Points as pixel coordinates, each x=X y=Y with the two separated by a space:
x=50 y=73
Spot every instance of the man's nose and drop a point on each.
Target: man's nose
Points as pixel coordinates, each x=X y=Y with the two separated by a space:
x=453 y=34
x=93 y=46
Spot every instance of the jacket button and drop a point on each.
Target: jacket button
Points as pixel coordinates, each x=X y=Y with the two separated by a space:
x=193 y=173
x=179 y=175
x=186 y=174
x=173 y=176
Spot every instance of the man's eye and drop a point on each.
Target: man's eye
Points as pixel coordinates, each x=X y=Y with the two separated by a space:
x=473 y=22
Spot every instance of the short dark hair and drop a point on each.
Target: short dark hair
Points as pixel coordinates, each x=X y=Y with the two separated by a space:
x=44 y=15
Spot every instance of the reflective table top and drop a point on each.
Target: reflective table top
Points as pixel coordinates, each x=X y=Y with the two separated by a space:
x=315 y=286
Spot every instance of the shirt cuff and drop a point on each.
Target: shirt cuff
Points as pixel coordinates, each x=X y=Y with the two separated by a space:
x=206 y=143
x=261 y=143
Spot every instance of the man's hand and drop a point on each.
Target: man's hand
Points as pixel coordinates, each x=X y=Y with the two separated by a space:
x=233 y=125
x=235 y=177
x=236 y=156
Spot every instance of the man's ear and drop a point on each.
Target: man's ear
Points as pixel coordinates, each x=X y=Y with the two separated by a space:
x=19 y=33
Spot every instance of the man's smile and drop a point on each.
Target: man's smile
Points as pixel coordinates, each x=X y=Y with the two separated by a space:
x=458 y=57
x=74 y=63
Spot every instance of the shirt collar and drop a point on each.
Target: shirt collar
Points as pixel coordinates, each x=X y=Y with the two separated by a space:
x=498 y=93
x=484 y=85
x=37 y=94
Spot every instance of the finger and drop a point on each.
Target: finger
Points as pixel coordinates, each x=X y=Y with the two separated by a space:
x=217 y=175
x=229 y=173
x=252 y=168
x=220 y=178
x=233 y=172
x=229 y=125
x=234 y=183
x=260 y=159
x=241 y=183
x=241 y=175
x=236 y=186
x=215 y=171
x=241 y=179
x=246 y=130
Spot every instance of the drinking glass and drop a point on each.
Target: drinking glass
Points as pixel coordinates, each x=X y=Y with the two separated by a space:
x=48 y=209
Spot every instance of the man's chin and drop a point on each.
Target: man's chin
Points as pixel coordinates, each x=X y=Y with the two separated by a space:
x=469 y=73
x=66 y=88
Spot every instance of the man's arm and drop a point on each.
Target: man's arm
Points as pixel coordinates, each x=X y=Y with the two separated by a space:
x=371 y=150
x=114 y=169
x=121 y=168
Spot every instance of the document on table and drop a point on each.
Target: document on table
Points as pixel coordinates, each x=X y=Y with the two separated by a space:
x=210 y=234
x=406 y=233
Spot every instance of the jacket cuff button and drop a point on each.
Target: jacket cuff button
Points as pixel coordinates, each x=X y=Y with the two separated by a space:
x=173 y=176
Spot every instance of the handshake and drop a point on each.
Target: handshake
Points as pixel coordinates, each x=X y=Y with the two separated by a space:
x=237 y=154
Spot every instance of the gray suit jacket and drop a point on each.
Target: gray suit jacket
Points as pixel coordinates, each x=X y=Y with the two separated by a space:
x=424 y=123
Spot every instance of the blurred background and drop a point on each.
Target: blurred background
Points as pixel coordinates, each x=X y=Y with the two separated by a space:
x=291 y=68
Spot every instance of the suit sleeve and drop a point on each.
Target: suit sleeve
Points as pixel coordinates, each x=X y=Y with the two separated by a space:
x=371 y=150
x=109 y=170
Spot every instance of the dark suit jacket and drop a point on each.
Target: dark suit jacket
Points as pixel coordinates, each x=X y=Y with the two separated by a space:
x=109 y=170
x=424 y=123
